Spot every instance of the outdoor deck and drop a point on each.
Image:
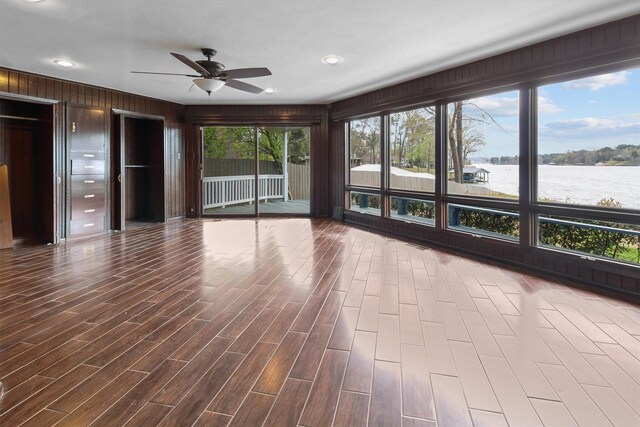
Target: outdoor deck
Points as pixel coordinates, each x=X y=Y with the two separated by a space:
x=299 y=207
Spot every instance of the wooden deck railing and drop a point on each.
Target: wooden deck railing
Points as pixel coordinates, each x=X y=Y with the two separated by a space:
x=220 y=191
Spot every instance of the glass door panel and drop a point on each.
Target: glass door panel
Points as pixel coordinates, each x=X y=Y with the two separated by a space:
x=229 y=163
x=285 y=170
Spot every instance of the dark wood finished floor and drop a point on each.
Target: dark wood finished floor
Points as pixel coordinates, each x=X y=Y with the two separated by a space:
x=285 y=322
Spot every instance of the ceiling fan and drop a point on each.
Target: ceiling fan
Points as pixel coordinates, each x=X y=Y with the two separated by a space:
x=212 y=75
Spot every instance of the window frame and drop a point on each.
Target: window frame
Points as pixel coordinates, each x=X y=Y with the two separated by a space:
x=527 y=205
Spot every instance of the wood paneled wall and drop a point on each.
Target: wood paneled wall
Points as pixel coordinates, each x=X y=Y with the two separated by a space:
x=315 y=116
x=614 y=42
x=598 y=49
x=27 y=84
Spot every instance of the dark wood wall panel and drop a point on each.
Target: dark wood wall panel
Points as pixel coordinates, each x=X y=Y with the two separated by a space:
x=27 y=84
x=337 y=159
x=612 y=42
x=316 y=116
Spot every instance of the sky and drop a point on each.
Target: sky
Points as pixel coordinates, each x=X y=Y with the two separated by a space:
x=589 y=113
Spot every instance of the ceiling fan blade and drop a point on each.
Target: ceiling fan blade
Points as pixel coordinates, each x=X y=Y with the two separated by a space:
x=166 y=74
x=244 y=86
x=191 y=64
x=245 y=73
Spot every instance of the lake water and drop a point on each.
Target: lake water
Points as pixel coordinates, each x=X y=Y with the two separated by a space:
x=580 y=184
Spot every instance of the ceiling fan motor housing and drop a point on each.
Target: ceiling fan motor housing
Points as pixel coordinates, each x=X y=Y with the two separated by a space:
x=214 y=68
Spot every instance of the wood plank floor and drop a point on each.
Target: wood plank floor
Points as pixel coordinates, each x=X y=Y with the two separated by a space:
x=285 y=322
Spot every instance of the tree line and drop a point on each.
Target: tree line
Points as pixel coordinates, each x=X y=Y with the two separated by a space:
x=239 y=143
x=412 y=138
x=622 y=155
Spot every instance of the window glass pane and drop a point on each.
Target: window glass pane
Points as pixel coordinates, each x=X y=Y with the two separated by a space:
x=228 y=187
x=412 y=150
x=364 y=152
x=418 y=211
x=599 y=238
x=483 y=146
x=488 y=222
x=589 y=141
x=285 y=170
x=365 y=203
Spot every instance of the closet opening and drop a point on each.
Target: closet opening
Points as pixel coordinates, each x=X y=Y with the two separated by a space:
x=139 y=171
x=27 y=149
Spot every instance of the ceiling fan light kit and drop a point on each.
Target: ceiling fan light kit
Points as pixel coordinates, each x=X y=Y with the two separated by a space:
x=212 y=75
x=209 y=84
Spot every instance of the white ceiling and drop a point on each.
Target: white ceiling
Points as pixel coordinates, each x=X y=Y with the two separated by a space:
x=382 y=42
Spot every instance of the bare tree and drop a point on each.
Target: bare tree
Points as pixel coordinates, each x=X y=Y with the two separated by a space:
x=456 y=141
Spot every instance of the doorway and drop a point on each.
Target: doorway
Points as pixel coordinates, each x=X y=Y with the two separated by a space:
x=250 y=171
x=27 y=148
x=138 y=174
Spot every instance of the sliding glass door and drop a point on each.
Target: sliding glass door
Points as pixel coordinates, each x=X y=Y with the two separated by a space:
x=234 y=157
x=285 y=170
x=229 y=164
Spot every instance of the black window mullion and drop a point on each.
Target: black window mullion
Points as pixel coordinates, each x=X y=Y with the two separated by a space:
x=384 y=164
x=441 y=165
x=527 y=165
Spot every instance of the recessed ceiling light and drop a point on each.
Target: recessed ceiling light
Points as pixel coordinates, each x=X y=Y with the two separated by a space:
x=34 y=1
x=269 y=90
x=64 y=63
x=332 y=59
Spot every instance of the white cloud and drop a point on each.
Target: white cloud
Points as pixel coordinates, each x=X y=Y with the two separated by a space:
x=598 y=82
x=591 y=127
x=497 y=106
x=546 y=105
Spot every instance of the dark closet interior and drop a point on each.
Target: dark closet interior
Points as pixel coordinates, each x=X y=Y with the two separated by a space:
x=26 y=146
x=141 y=159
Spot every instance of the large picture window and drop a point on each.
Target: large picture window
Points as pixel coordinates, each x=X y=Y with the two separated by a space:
x=483 y=146
x=365 y=152
x=584 y=182
x=589 y=141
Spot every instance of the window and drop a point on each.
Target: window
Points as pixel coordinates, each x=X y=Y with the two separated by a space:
x=411 y=210
x=589 y=141
x=483 y=146
x=412 y=159
x=584 y=184
x=365 y=203
x=365 y=152
x=482 y=221
x=599 y=238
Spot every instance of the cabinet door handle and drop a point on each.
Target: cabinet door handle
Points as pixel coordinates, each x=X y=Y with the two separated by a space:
x=119 y=177
x=89 y=196
x=89 y=155
x=89 y=181
x=89 y=167
x=89 y=210
x=91 y=224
